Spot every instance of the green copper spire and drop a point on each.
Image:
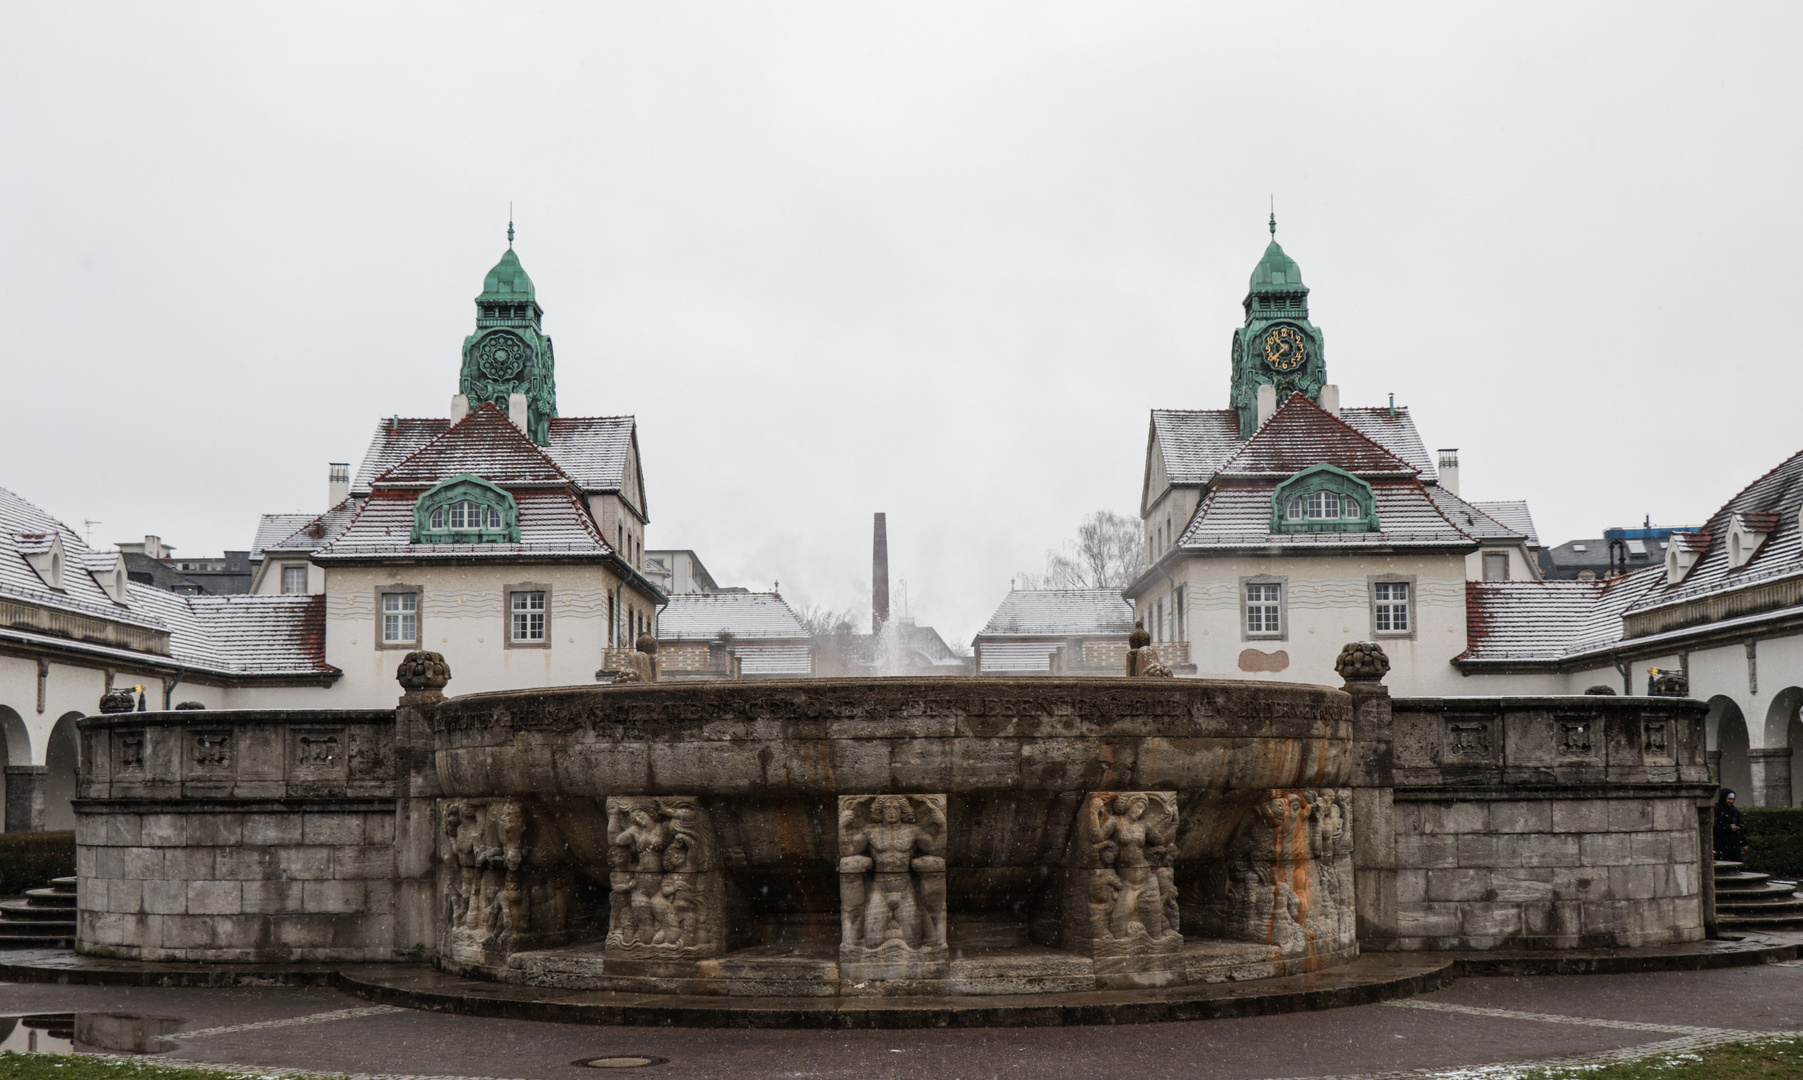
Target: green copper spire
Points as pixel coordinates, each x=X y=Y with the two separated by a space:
x=509 y=353
x=1277 y=346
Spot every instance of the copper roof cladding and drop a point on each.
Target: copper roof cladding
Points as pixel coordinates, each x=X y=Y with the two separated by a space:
x=1777 y=497
x=485 y=443
x=1302 y=434
x=591 y=450
x=1060 y=613
x=1195 y=443
x=553 y=525
x=745 y=615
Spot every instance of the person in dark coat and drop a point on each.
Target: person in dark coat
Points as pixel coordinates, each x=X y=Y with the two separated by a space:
x=1730 y=838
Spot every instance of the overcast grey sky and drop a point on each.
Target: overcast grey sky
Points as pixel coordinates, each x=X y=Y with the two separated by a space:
x=932 y=259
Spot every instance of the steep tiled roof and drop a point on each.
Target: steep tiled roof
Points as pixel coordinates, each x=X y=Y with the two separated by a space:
x=314 y=532
x=1513 y=515
x=1239 y=516
x=225 y=635
x=1196 y=442
x=485 y=443
x=553 y=524
x=275 y=528
x=1775 y=498
x=1001 y=657
x=1301 y=434
x=592 y=450
x=775 y=659
x=1548 y=620
x=1470 y=518
x=1060 y=613
x=746 y=616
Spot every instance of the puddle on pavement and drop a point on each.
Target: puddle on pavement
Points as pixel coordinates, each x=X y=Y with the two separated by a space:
x=620 y=1061
x=87 y=1033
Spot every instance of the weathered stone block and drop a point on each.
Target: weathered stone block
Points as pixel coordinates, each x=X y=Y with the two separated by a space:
x=303 y=863
x=1673 y=815
x=1429 y=920
x=272 y=829
x=1457 y=884
x=302 y=931
x=188 y=864
x=163 y=830
x=143 y=863
x=1422 y=852
x=365 y=862
x=166 y=897
x=1549 y=849
x=322 y=828
x=1519 y=885
x=1490 y=920
x=1655 y=848
x=266 y=897
x=1411 y=886
x=244 y=864
x=378 y=828
x=1522 y=817
x=1605 y=849
x=214 y=898
x=1455 y=817
x=90 y=894
x=1630 y=815
x=1580 y=815
x=125 y=896
x=332 y=897
x=215 y=829
x=1478 y=849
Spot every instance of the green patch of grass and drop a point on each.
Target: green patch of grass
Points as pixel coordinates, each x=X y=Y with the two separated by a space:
x=1773 y=1059
x=86 y=1067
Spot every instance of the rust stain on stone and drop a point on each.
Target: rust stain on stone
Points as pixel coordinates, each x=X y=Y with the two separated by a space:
x=1291 y=866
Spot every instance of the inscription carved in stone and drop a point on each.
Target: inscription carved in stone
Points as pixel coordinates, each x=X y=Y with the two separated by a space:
x=892 y=880
x=1120 y=895
x=668 y=892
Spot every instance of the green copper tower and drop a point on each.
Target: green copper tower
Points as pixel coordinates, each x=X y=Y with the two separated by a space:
x=509 y=353
x=1278 y=346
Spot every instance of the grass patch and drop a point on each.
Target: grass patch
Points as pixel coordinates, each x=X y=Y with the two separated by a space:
x=87 y=1067
x=1767 y=1059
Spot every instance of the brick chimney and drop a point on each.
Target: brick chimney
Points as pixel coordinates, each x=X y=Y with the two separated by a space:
x=879 y=575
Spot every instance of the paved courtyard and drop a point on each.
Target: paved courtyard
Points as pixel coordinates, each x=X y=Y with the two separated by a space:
x=1478 y=1021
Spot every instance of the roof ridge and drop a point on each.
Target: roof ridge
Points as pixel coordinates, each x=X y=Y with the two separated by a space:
x=1290 y=403
x=483 y=411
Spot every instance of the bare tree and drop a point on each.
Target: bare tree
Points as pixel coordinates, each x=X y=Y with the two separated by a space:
x=820 y=621
x=836 y=638
x=1107 y=554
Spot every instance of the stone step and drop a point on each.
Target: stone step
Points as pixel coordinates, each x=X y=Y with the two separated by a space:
x=10 y=931
x=1746 y=883
x=1760 y=922
x=1722 y=867
x=40 y=941
x=1782 y=907
x=1762 y=891
x=26 y=911
x=50 y=898
x=63 y=885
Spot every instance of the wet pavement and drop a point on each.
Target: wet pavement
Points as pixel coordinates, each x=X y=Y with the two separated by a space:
x=1477 y=1021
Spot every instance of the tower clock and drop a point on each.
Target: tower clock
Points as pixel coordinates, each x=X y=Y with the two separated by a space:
x=1277 y=346
x=509 y=353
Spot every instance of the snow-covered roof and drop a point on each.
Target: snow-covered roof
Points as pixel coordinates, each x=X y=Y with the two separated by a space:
x=485 y=443
x=1059 y=613
x=1513 y=515
x=1473 y=519
x=1548 y=621
x=553 y=524
x=1301 y=434
x=747 y=616
x=1001 y=657
x=312 y=533
x=274 y=528
x=1197 y=442
x=591 y=450
x=221 y=635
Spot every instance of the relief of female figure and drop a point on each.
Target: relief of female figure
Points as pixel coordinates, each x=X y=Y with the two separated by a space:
x=1138 y=853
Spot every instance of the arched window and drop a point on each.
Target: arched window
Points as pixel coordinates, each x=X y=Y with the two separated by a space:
x=465 y=509
x=438 y=518
x=1323 y=498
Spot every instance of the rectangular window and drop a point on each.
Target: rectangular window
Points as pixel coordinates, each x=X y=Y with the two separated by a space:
x=528 y=616
x=294 y=579
x=1392 y=607
x=1496 y=566
x=1264 y=607
x=400 y=618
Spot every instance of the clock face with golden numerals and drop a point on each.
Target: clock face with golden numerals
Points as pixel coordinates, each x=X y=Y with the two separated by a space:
x=1285 y=348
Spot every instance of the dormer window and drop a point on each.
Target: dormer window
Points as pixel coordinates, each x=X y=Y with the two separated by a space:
x=466 y=510
x=1746 y=533
x=1323 y=498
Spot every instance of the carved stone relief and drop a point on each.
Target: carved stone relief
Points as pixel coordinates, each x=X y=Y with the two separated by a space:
x=668 y=891
x=1288 y=877
x=892 y=884
x=318 y=753
x=1120 y=894
x=128 y=751
x=486 y=905
x=212 y=750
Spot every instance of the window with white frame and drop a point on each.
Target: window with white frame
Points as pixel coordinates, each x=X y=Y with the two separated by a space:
x=400 y=618
x=294 y=579
x=1496 y=566
x=1264 y=608
x=1390 y=607
x=528 y=616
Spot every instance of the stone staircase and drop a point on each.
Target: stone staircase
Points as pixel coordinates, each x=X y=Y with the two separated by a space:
x=1750 y=901
x=42 y=919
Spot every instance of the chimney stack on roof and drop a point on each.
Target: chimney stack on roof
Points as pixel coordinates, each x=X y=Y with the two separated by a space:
x=1267 y=403
x=879 y=576
x=338 y=483
x=1449 y=470
x=516 y=410
x=460 y=407
x=1330 y=399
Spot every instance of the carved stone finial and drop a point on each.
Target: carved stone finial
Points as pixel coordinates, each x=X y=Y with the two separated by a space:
x=1362 y=661
x=641 y=664
x=423 y=676
x=1671 y=684
x=1139 y=639
x=189 y=705
x=647 y=645
x=117 y=700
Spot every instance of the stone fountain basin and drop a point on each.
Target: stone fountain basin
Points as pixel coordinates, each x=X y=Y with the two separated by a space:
x=1015 y=759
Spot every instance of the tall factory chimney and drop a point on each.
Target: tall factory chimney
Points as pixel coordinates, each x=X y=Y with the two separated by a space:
x=879 y=576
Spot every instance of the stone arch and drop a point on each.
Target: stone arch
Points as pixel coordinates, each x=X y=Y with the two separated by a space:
x=1783 y=734
x=1728 y=731
x=15 y=746
x=62 y=756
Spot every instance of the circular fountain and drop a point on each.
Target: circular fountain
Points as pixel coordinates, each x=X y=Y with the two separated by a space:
x=902 y=836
